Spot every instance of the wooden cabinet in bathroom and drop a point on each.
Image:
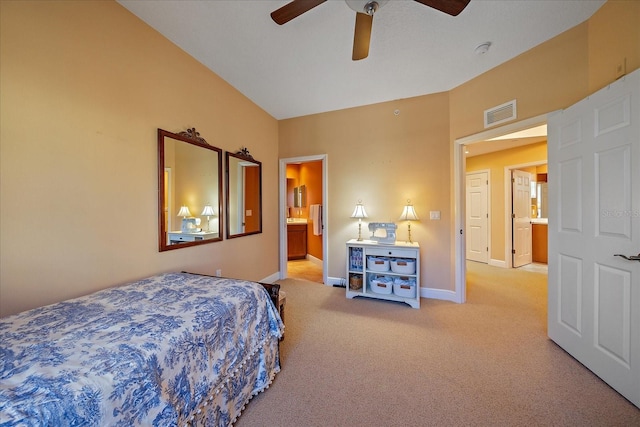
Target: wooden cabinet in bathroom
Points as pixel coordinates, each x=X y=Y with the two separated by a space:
x=540 y=243
x=296 y=241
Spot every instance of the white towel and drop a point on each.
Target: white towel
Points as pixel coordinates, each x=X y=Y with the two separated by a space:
x=316 y=218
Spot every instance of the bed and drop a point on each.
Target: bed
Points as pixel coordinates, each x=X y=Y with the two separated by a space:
x=172 y=349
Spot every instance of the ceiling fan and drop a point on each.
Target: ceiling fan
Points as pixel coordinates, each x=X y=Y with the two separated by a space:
x=364 y=16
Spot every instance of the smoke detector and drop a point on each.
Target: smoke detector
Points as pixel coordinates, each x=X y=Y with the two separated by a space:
x=483 y=48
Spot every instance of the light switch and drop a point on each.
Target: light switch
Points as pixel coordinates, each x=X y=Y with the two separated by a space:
x=434 y=214
x=248 y=212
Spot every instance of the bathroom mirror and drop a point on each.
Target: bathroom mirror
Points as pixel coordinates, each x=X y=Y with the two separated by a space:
x=189 y=190
x=300 y=196
x=542 y=197
x=243 y=194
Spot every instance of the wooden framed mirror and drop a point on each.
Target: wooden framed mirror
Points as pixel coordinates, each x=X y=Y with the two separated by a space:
x=189 y=190
x=243 y=194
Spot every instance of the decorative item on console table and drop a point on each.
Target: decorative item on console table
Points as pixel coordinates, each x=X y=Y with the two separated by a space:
x=384 y=271
x=409 y=214
x=359 y=213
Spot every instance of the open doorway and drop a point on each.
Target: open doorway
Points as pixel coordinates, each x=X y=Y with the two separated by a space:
x=486 y=140
x=527 y=250
x=303 y=218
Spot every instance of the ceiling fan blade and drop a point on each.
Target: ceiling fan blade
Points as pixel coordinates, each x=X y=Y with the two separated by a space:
x=362 y=36
x=451 y=7
x=293 y=9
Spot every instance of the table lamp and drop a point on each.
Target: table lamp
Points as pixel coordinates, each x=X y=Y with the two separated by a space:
x=208 y=212
x=359 y=213
x=409 y=214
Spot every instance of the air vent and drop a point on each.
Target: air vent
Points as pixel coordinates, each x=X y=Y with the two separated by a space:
x=500 y=114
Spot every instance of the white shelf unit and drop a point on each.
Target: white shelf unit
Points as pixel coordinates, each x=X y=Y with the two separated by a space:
x=365 y=261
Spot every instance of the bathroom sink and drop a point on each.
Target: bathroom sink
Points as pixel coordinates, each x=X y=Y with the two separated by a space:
x=296 y=220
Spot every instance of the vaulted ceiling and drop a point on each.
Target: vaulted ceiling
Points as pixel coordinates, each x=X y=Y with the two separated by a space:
x=305 y=67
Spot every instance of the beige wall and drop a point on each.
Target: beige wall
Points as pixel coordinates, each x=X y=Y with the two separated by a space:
x=496 y=163
x=613 y=39
x=83 y=88
x=383 y=159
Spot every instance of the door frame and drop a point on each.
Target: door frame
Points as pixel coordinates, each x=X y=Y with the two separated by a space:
x=282 y=214
x=459 y=188
x=508 y=207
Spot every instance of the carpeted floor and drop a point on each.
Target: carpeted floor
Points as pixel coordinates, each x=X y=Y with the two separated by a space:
x=488 y=362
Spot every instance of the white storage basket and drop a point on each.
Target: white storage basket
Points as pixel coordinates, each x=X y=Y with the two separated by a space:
x=377 y=263
x=403 y=266
x=381 y=285
x=404 y=287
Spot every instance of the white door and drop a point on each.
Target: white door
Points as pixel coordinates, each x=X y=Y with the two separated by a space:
x=594 y=198
x=521 y=215
x=478 y=217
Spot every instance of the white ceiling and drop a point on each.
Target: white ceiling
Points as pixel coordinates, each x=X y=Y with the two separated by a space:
x=305 y=67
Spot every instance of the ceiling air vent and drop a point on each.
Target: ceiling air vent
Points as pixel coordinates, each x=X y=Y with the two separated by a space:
x=500 y=114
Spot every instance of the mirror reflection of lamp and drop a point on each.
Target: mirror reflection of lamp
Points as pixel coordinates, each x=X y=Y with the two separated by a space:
x=409 y=214
x=184 y=213
x=208 y=212
x=359 y=213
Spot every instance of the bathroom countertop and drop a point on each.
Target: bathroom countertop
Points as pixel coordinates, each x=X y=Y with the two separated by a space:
x=540 y=221
x=296 y=220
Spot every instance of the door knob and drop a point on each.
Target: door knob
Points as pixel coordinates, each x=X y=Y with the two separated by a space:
x=629 y=258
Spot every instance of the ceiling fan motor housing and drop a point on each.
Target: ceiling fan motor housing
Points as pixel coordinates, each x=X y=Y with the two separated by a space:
x=366 y=6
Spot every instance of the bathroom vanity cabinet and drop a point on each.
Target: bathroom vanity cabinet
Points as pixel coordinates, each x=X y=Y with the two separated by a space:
x=388 y=272
x=540 y=241
x=296 y=241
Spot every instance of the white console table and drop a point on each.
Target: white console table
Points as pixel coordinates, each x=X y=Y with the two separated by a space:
x=360 y=272
x=179 y=236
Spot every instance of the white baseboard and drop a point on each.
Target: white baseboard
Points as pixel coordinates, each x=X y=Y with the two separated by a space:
x=336 y=281
x=440 y=294
x=498 y=263
x=270 y=279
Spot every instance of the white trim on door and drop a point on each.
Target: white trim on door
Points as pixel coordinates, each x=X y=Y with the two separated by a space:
x=459 y=174
x=282 y=214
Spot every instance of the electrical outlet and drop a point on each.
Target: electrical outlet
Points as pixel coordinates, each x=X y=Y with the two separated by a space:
x=219 y=272
x=621 y=68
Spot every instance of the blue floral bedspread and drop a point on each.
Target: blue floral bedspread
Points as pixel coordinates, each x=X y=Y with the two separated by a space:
x=173 y=349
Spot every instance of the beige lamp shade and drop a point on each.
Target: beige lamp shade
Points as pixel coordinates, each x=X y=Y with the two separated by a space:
x=208 y=211
x=409 y=213
x=184 y=211
x=359 y=212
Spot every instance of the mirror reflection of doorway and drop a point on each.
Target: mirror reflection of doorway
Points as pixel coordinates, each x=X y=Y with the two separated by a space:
x=168 y=203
